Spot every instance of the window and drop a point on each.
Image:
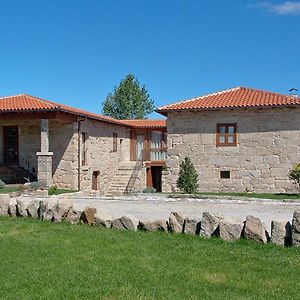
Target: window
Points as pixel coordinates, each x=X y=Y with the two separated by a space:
x=115 y=142
x=225 y=174
x=226 y=134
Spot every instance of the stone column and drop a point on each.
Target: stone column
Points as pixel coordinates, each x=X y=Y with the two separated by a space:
x=45 y=157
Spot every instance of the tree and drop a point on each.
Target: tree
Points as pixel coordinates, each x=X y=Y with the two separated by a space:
x=187 y=181
x=128 y=100
x=295 y=175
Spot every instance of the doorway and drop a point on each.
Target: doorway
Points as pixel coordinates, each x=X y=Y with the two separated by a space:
x=11 y=145
x=154 y=177
x=95 y=180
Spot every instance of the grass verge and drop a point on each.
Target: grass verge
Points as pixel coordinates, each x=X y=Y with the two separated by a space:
x=60 y=191
x=276 y=196
x=7 y=190
x=41 y=260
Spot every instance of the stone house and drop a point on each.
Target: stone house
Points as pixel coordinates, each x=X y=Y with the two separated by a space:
x=75 y=149
x=240 y=139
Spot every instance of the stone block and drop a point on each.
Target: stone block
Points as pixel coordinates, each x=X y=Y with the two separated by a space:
x=255 y=230
x=175 y=222
x=281 y=233
x=230 y=230
x=191 y=226
x=210 y=224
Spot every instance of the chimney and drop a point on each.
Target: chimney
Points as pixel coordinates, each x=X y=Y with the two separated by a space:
x=293 y=92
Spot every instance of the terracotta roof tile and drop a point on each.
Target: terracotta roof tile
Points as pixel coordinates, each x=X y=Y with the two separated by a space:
x=146 y=123
x=233 y=98
x=24 y=102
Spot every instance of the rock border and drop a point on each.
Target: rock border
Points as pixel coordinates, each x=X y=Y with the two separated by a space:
x=57 y=209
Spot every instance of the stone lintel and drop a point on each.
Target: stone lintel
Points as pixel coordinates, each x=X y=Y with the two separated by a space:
x=44 y=153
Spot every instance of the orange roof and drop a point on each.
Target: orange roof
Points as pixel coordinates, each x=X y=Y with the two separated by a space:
x=28 y=103
x=233 y=98
x=146 y=123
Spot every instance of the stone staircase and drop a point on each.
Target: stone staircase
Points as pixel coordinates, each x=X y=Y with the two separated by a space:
x=123 y=180
x=13 y=174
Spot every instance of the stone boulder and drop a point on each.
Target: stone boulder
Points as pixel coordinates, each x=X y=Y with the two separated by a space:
x=296 y=229
x=175 y=222
x=4 y=204
x=210 y=224
x=22 y=206
x=230 y=230
x=47 y=208
x=102 y=219
x=157 y=225
x=281 y=233
x=12 y=208
x=125 y=223
x=74 y=214
x=33 y=209
x=64 y=205
x=254 y=230
x=191 y=226
x=88 y=215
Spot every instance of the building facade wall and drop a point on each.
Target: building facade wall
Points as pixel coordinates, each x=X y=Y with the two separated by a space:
x=268 y=144
x=63 y=142
x=99 y=154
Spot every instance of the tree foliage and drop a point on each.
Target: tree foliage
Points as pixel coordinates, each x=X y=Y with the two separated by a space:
x=129 y=100
x=187 y=181
x=295 y=175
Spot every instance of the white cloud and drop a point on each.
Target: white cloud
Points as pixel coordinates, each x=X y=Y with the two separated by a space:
x=285 y=8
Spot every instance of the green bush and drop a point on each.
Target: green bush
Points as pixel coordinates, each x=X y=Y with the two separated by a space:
x=34 y=185
x=52 y=190
x=295 y=175
x=149 y=190
x=2 y=184
x=187 y=181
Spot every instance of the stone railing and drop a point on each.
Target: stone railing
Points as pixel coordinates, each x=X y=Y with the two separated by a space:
x=62 y=208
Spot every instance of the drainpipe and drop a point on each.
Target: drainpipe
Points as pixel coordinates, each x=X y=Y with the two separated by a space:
x=79 y=150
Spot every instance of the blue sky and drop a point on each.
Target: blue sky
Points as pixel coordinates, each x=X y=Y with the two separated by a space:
x=75 y=51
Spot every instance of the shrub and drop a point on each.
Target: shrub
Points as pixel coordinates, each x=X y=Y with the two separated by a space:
x=187 y=181
x=295 y=175
x=52 y=190
x=149 y=190
x=2 y=184
x=35 y=185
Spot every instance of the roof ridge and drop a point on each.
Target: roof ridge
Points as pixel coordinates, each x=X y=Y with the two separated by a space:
x=203 y=96
x=265 y=91
x=54 y=104
x=18 y=95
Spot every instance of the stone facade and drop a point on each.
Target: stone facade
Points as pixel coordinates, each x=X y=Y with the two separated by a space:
x=68 y=153
x=99 y=154
x=268 y=144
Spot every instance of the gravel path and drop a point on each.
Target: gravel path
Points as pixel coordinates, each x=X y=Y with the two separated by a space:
x=151 y=207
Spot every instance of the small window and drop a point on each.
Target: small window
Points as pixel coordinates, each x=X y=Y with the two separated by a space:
x=225 y=174
x=226 y=134
x=115 y=142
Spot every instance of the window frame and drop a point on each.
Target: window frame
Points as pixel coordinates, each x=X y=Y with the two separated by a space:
x=115 y=142
x=226 y=143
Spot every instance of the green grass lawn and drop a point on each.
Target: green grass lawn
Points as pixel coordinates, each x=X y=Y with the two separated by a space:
x=278 y=196
x=41 y=260
x=8 y=189
x=61 y=191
